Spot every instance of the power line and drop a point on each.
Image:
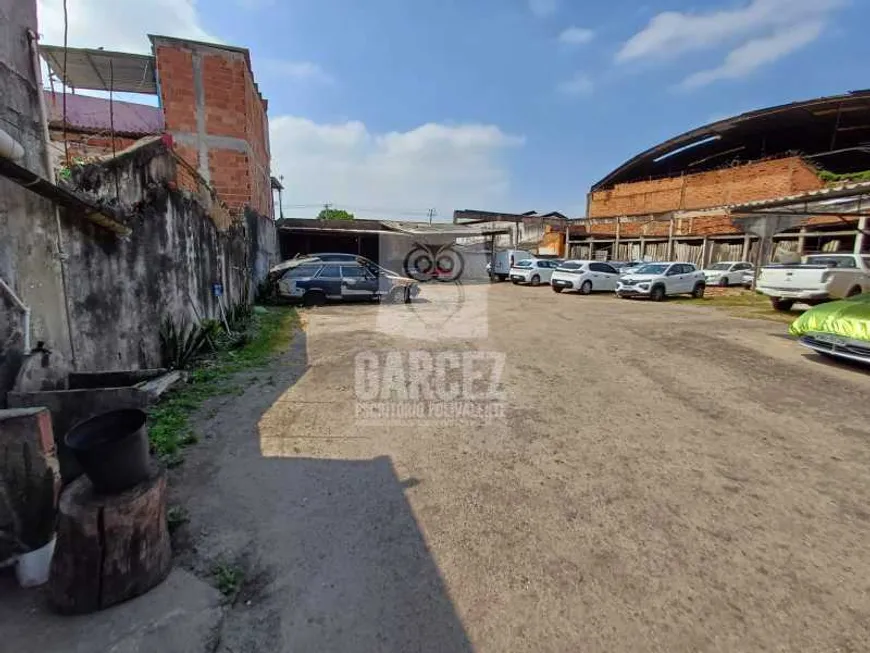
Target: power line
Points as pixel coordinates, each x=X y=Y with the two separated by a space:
x=426 y=213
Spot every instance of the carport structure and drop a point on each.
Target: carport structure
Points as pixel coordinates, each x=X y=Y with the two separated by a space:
x=770 y=220
x=387 y=242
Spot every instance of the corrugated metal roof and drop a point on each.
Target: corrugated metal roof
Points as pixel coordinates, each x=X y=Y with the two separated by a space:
x=92 y=114
x=330 y=225
x=394 y=227
x=101 y=70
x=856 y=189
x=806 y=127
x=440 y=229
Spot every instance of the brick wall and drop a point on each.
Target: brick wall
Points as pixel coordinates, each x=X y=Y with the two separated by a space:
x=754 y=181
x=718 y=224
x=230 y=174
x=229 y=116
x=707 y=225
x=177 y=94
x=86 y=146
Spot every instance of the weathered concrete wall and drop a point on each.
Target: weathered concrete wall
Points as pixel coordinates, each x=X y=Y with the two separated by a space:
x=121 y=289
x=263 y=238
x=29 y=257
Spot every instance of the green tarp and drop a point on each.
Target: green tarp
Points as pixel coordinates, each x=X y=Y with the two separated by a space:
x=848 y=318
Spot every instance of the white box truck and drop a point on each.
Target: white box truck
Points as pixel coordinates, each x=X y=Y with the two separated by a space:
x=504 y=260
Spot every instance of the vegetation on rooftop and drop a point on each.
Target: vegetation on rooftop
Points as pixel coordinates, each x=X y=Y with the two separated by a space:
x=833 y=177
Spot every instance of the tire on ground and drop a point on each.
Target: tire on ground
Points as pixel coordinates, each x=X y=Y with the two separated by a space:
x=314 y=298
x=780 y=304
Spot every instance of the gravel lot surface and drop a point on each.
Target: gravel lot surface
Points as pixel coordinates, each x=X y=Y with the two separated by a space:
x=664 y=477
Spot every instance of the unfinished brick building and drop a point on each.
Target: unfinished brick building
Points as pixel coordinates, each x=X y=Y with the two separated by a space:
x=208 y=103
x=672 y=201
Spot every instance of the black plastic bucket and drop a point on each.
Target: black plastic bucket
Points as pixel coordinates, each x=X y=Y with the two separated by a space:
x=112 y=449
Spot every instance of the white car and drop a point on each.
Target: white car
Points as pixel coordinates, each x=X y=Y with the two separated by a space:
x=533 y=271
x=818 y=278
x=585 y=277
x=726 y=273
x=504 y=260
x=659 y=280
x=632 y=266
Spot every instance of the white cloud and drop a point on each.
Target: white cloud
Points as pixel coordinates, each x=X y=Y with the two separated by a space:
x=766 y=29
x=543 y=8
x=295 y=70
x=576 y=36
x=433 y=165
x=580 y=84
x=756 y=53
x=120 y=24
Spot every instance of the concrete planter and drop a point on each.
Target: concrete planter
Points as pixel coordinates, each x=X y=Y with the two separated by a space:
x=91 y=394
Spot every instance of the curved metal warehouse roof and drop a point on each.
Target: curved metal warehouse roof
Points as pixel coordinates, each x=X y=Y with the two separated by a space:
x=834 y=131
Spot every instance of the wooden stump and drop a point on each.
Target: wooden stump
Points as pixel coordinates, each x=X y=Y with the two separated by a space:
x=109 y=548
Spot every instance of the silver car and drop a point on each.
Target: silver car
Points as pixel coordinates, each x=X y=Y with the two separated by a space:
x=726 y=273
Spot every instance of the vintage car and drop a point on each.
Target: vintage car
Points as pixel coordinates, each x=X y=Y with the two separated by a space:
x=840 y=328
x=315 y=279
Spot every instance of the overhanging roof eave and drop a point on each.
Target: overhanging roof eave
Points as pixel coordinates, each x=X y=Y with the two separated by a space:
x=720 y=128
x=101 y=70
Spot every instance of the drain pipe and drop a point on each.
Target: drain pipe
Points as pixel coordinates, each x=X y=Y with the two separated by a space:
x=43 y=110
x=49 y=170
x=25 y=310
x=10 y=148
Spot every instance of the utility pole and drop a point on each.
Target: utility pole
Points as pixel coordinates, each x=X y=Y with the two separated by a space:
x=326 y=208
x=432 y=214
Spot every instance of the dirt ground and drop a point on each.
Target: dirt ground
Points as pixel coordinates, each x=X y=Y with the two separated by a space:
x=665 y=478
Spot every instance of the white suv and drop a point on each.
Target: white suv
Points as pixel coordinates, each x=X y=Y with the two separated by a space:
x=658 y=280
x=584 y=276
x=533 y=271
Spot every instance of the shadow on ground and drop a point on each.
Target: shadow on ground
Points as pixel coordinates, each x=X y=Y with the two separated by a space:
x=329 y=554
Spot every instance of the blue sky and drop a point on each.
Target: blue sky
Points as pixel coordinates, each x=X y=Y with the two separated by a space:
x=390 y=107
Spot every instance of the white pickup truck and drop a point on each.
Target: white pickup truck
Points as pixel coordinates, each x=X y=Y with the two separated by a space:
x=817 y=279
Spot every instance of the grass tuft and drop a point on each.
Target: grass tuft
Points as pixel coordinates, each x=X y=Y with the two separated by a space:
x=169 y=428
x=742 y=303
x=175 y=517
x=228 y=579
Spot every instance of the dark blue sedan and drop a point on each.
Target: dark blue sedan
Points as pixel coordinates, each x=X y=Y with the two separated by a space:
x=313 y=281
